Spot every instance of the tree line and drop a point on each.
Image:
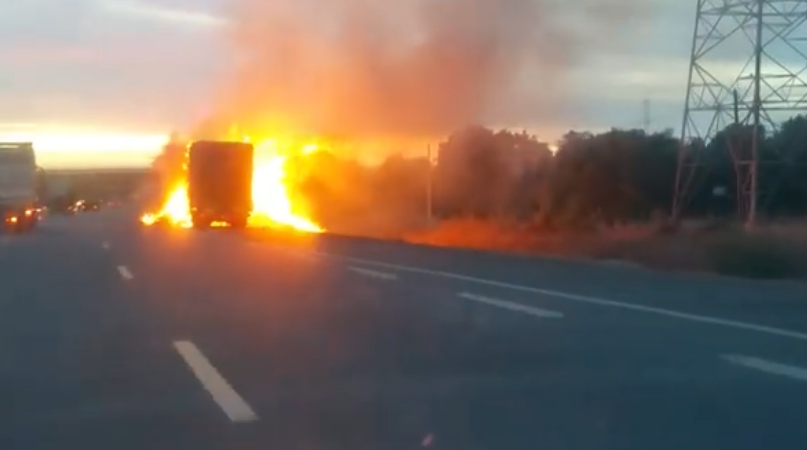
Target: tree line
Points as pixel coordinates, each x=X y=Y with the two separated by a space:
x=588 y=179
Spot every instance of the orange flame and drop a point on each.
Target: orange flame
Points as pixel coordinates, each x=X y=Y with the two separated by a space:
x=176 y=210
x=272 y=202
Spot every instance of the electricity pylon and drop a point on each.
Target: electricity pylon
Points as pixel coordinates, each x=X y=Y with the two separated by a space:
x=748 y=66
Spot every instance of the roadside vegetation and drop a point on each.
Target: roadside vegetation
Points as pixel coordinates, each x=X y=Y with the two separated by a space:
x=603 y=196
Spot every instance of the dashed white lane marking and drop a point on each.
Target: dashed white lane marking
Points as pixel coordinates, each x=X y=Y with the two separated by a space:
x=775 y=368
x=223 y=394
x=105 y=245
x=518 y=307
x=375 y=274
x=125 y=273
x=575 y=297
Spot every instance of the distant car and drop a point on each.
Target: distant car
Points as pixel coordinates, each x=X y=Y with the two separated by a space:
x=76 y=207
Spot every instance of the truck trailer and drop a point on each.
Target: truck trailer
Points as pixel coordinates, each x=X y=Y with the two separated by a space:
x=19 y=186
x=220 y=183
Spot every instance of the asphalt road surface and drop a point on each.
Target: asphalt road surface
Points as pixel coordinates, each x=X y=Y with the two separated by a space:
x=117 y=337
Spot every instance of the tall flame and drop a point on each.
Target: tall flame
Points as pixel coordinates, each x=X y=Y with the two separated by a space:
x=272 y=203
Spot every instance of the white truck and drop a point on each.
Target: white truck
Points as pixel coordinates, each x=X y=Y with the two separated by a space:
x=18 y=186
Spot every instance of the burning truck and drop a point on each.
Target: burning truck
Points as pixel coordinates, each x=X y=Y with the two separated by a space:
x=237 y=183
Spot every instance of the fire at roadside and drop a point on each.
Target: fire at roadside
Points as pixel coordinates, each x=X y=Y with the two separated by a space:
x=274 y=163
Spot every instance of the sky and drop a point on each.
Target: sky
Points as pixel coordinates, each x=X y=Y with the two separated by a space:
x=103 y=82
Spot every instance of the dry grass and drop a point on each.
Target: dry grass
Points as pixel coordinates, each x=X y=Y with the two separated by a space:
x=378 y=225
x=776 y=251
x=500 y=236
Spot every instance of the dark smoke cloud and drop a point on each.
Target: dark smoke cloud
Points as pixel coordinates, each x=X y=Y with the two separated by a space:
x=406 y=68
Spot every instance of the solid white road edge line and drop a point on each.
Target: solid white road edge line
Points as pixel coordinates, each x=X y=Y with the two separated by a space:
x=125 y=273
x=373 y=273
x=223 y=394
x=751 y=362
x=575 y=297
x=517 y=307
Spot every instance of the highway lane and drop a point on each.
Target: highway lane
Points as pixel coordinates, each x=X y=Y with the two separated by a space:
x=293 y=338
x=80 y=368
x=625 y=339
x=449 y=355
x=301 y=350
x=775 y=304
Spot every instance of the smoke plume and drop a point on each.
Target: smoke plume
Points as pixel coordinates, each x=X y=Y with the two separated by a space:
x=372 y=69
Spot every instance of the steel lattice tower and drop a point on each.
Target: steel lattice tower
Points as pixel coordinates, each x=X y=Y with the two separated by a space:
x=748 y=65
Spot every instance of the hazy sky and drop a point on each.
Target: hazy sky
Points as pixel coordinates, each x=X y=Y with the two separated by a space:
x=149 y=66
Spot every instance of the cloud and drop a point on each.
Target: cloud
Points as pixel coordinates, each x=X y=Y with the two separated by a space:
x=43 y=20
x=87 y=63
x=173 y=14
x=42 y=55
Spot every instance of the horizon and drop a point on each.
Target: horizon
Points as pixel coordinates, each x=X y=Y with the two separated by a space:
x=58 y=151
